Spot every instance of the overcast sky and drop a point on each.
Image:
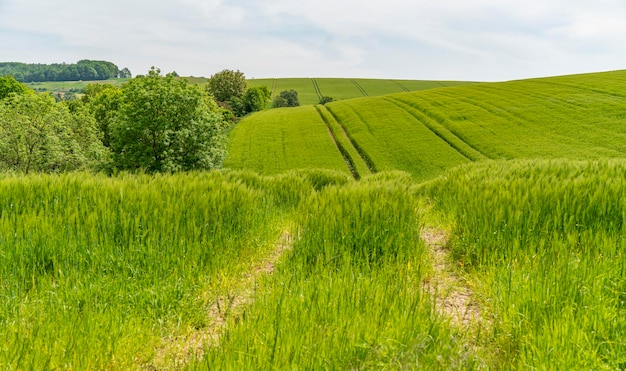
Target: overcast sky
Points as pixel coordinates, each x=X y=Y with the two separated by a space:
x=480 y=40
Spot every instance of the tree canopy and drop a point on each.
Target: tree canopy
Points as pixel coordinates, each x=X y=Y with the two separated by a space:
x=8 y=85
x=166 y=124
x=86 y=70
x=286 y=98
x=38 y=134
x=227 y=84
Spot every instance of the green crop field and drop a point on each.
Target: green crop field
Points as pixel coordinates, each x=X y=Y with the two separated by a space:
x=542 y=242
x=311 y=90
x=462 y=227
x=274 y=141
x=425 y=132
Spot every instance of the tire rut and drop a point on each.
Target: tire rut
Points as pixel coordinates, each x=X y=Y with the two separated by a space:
x=176 y=352
x=453 y=298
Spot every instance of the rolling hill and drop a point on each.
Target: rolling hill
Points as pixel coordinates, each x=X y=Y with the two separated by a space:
x=425 y=132
x=311 y=90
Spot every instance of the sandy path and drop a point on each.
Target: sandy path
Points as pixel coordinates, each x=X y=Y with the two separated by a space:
x=453 y=297
x=176 y=352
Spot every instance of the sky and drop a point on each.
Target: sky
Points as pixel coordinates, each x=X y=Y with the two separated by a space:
x=475 y=40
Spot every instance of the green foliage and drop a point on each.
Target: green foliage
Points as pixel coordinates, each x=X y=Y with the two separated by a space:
x=310 y=91
x=165 y=124
x=286 y=98
x=326 y=99
x=95 y=269
x=227 y=84
x=9 y=85
x=256 y=98
x=544 y=242
x=87 y=70
x=104 y=101
x=37 y=134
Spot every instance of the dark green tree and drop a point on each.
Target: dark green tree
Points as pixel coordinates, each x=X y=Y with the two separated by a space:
x=326 y=99
x=125 y=73
x=227 y=84
x=166 y=124
x=286 y=98
x=256 y=98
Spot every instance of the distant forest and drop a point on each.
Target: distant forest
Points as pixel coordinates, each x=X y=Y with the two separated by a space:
x=85 y=70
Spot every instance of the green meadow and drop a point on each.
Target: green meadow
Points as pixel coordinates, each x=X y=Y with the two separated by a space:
x=467 y=227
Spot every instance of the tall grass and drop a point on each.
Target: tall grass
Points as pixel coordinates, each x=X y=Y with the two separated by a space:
x=348 y=296
x=96 y=271
x=544 y=239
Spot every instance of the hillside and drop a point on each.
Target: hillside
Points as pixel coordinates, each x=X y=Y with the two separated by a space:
x=425 y=132
x=508 y=264
x=311 y=90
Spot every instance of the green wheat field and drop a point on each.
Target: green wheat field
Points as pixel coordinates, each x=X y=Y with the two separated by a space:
x=406 y=225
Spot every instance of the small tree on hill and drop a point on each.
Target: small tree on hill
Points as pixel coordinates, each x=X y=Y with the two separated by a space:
x=286 y=98
x=326 y=99
x=227 y=84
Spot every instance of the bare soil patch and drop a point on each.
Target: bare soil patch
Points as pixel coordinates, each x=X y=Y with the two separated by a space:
x=175 y=352
x=453 y=297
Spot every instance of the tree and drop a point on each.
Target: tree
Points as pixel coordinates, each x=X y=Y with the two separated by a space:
x=37 y=134
x=286 y=98
x=254 y=99
x=166 y=124
x=125 y=73
x=103 y=101
x=9 y=85
x=326 y=99
x=227 y=84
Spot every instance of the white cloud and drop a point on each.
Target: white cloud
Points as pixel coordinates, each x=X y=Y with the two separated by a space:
x=445 y=39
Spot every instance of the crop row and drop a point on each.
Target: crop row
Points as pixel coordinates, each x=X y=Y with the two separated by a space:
x=543 y=243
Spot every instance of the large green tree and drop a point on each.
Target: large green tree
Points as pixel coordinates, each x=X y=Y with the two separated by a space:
x=38 y=134
x=166 y=124
x=254 y=99
x=227 y=84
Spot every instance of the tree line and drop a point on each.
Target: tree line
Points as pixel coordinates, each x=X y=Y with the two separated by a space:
x=85 y=70
x=152 y=123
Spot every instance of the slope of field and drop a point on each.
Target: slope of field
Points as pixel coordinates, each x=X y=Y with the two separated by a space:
x=277 y=140
x=392 y=139
x=577 y=117
x=311 y=90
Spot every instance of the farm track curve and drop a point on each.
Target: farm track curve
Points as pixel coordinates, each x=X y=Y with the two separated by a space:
x=177 y=352
x=453 y=298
